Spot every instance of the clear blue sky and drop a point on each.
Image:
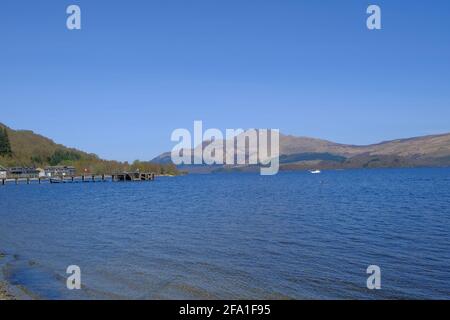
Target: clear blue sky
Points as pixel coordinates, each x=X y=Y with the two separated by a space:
x=139 y=69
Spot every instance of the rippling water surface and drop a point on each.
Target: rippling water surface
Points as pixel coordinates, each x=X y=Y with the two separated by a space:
x=232 y=236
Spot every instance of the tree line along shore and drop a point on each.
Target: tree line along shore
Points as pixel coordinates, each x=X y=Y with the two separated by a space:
x=22 y=148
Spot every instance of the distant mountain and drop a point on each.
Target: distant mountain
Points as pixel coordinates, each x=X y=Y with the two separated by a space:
x=308 y=153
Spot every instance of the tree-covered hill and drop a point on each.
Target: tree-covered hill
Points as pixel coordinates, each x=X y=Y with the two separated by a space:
x=28 y=149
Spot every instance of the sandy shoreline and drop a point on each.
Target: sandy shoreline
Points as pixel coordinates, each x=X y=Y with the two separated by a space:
x=4 y=293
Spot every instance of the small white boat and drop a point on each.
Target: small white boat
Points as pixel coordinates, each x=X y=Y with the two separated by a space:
x=315 y=171
x=56 y=181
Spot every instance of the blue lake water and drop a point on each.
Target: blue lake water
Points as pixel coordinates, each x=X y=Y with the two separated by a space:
x=232 y=236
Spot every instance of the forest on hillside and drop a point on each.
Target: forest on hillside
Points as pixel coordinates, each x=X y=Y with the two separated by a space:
x=21 y=148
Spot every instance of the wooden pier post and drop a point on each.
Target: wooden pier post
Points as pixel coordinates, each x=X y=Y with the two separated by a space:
x=82 y=178
x=103 y=177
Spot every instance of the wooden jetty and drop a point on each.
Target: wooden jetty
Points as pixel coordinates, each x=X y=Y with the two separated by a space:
x=116 y=177
x=134 y=176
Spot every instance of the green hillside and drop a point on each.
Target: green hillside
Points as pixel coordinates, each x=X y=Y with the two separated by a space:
x=29 y=149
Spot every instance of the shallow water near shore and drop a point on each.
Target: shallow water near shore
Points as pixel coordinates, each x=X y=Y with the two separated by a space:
x=232 y=236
